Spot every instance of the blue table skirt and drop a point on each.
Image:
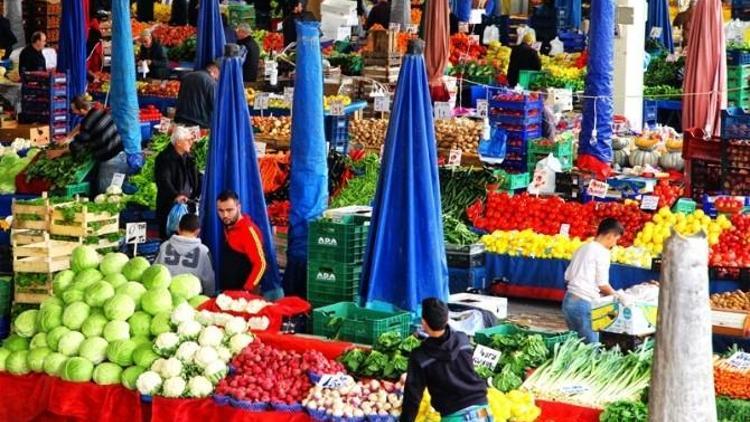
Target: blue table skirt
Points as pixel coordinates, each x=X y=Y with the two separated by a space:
x=549 y=273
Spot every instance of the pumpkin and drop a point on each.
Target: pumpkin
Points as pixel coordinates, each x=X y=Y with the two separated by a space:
x=672 y=161
x=620 y=157
x=645 y=143
x=674 y=145
x=619 y=143
x=644 y=157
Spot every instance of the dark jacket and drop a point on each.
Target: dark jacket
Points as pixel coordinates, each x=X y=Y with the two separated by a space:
x=379 y=14
x=31 y=60
x=7 y=38
x=195 y=102
x=157 y=69
x=544 y=22
x=193 y=12
x=175 y=175
x=522 y=57
x=250 y=67
x=243 y=260
x=145 y=11
x=290 y=27
x=98 y=135
x=179 y=13
x=445 y=367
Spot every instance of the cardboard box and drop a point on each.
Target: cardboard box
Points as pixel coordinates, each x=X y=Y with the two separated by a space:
x=613 y=317
x=38 y=134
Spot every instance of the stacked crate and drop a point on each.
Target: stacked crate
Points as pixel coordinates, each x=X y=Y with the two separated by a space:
x=336 y=249
x=738 y=86
x=520 y=116
x=382 y=58
x=465 y=267
x=44 y=99
x=43 y=15
x=561 y=148
x=735 y=152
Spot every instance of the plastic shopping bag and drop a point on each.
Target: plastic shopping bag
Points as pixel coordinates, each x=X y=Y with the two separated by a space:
x=556 y=47
x=491 y=33
x=175 y=215
x=544 y=176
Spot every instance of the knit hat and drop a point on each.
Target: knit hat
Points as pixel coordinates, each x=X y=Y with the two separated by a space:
x=435 y=313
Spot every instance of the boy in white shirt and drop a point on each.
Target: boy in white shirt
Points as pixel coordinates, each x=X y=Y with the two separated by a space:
x=587 y=277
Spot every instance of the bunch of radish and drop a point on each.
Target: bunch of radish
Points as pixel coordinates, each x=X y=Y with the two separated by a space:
x=354 y=400
x=264 y=374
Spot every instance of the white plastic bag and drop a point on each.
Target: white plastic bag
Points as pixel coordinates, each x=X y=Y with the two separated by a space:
x=556 y=47
x=544 y=176
x=491 y=33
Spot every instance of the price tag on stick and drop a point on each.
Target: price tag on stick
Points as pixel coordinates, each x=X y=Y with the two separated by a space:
x=454 y=157
x=740 y=360
x=117 y=180
x=337 y=108
x=484 y=356
x=442 y=110
x=382 y=104
x=655 y=32
x=289 y=94
x=649 y=202
x=261 y=101
x=394 y=27
x=598 y=189
x=135 y=233
x=482 y=108
x=565 y=229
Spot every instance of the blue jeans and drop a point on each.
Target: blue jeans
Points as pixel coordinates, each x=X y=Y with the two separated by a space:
x=577 y=313
x=107 y=169
x=470 y=414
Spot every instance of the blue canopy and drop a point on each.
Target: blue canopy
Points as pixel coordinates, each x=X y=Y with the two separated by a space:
x=405 y=257
x=308 y=179
x=232 y=164
x=72 y=52
x=569 y=12
x=122 y=93
x=658 y=16
x=597 y=112
x=211 y=39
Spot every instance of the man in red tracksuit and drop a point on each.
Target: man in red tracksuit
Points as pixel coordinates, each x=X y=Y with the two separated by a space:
x=243 y=261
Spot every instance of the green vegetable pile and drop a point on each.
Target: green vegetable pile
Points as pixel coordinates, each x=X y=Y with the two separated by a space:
x=60 y=171
x=360 y=190
x=545 y=80
x=459 y=187
x=519 y=351
x=10 y=165
x=663 y=72
x=387 y=360
x=625 y=411
x=351 y=64
x=185 y=51
x=30 y=279
x=730 y=410
x=662 y=92
x=474 y=72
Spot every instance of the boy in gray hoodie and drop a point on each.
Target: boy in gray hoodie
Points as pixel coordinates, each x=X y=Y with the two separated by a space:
x=184 y=253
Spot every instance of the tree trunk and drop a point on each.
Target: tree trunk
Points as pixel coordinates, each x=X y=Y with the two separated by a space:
x=682 y=382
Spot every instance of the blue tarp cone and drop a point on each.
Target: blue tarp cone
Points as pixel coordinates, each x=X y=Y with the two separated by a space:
x=210 y=45
x=122 y=93
x=72 y=51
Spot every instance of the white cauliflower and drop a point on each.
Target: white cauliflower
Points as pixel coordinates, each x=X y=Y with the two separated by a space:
x=211 y=336
x=221 y=319
x=205 y=356
x=224 y=302
x=187 y=351
x=255 y=306
x=148 y=383
x=235 y=325
x=215 y=371
x=238 y=305
x=166 y=343
x=183 y=312
x=189 y=330
x=239 y=342
x=205 y=317
x=258 y=323
x=172 y=368
x=225 y=355
x=199 y=386
x=158 y=365
x=174 y=387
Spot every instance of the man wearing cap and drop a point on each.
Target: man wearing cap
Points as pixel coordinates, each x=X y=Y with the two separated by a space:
x=154 y=56
x=443 y=364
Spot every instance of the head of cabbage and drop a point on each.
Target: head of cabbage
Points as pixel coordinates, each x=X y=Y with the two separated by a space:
x=25 y=324
x=50 y=317
x=140 y=324
x=62 y=281
x=120 y=307
x=83 y=258
x=98 y=293
x=113 y=263
x=133 y=289
x=156 y=301
x=116 y=280
x=16 y=343
x=94 y=349
x=156 y=276
x=54 y=336
x=86 y=278
x=116 y=330
x=130 y=376
x=36 y=358
x=121 y=352
x=74 y=315
x=186 y=286
x=135 y=268
x=107 y=373
x=94 y=325
x=77 y=369
x=70 y=343
x=53 y=364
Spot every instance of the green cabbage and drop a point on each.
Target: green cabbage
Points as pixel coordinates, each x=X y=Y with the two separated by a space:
x=98 y=293
x=50 y=316
x=39 y=340
x=144 y=355
x=36 y=358
x=83 y=258
x=116 y=330
x=139 y=340
x=3 y=356
x=53 y=337
x=197 y=301
x=133 y=289
x=74 y=315
x=121 y=352
x=51 y=301
x=70 y=343
x=25 y=324
x=187 y=286
x=53 y=364
x=113 y=263
x=77 y=369
x=72 y=296
x=130 y=376
x=156 y=301
x=62 y=281
x=135 y=268
x=107 y=374
x=17 y=363
x=94 y=349
x=119 y=308
x=140 y=324
x=116 y=280
x=94 y=325
x=86 y=278
x=156 y=277
x=160 y=323
x=16 y=343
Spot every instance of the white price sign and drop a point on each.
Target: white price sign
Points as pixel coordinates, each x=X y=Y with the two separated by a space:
x=382 y=104
x=739 y=360
x=482 y=108
x=484 y=356
x=565 y=229
x=649 y=202
x=394 y=27
x=269 y=66
x=289 y=94
x=336 y=108
x=135 y=233
x=463 y=27
x=474 y=38
x=597 y=189
x=261 y=101
x=117 y=180
x=454 y=157
x=335 y=381
x=655 y=32
x=442 y=110
x=412 y=29
x=260 y=149
x=476 y=16
x=573 y=389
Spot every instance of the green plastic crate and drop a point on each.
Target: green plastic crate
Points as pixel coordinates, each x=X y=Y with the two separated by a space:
x=558 y=149
x=241 y=13
x=484 y=336
x=566 y=161
x=684 y=205
x=330 y=275
x=527 y=77
x=511 y=181
x=738 y=76
x=319 y=300
x=357 y=324
x=82 y=189
x=337 y=242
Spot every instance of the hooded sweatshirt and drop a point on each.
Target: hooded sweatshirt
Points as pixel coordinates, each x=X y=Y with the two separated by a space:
x=445 y=367
x=187 y=255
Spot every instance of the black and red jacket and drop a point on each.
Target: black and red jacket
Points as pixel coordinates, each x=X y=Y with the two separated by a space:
x=243 y=260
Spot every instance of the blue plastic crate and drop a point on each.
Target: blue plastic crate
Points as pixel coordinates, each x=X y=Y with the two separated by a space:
x=650 y=111
x=525 y=135
x=517 y=120
x=735 y=124
x=526 y=106
x=518 y=165
x=4 y=326
x=460 y=279
x=337 y=133
x=738 y=57
x=146 y=131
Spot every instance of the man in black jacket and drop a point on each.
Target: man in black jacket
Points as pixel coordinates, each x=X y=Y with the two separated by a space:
x=7 y=38
x=443 y=364
x=245 y=39
x=195 y=101
x=177 y=177
x=31 y=58
x=380 y=14
x=154 y=55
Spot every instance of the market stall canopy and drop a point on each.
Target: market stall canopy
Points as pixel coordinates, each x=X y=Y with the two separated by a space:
x=122 y=93
x=405 y=256
x=232 y=164
x=572 y=16
x=210 y=45
x=705 y=86
x=437 y=46
x=72 y=50
x=658 y=17
x=308 y=179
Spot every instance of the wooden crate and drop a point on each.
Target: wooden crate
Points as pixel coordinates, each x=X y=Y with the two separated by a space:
x=25 y=236
x=384 y=60
x=36 y=294
x=48 y=257
x=105 y=244
x=40 y=212
x=83 y=224
x=382 y=74
x=730 y=322
x=382 y=41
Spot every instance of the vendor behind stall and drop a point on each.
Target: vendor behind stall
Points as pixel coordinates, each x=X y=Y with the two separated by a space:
x=587 y=277
x=243 y=261
x=295 y=11
x=94 y=50
x=523 y=57
x=245 y=39
x=380 y=14
x=195 y=101
x=153 y=54
x=31 y=58
x=7 y=38
x=97 y=135
x=443 y=364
